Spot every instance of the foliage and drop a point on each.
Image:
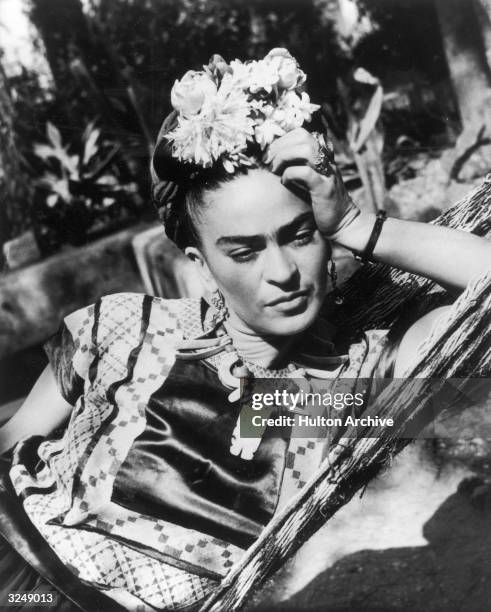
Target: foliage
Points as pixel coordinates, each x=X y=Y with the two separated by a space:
x=81 y=183
x=151 y=39
x=117 y=60
x=13 y=186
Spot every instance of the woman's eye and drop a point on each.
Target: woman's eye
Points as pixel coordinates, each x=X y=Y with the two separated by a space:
x=243 y=256
x=304 y=237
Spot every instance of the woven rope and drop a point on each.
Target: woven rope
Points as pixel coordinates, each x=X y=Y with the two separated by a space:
x=460 y=346
x=375 y=295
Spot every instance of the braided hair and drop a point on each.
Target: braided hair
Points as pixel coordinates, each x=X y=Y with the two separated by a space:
x=179 y=188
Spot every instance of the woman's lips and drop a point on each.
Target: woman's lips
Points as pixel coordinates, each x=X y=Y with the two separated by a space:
x=290 y=301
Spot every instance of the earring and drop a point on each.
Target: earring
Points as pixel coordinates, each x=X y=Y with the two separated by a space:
x=218 y=302
x=336 y=293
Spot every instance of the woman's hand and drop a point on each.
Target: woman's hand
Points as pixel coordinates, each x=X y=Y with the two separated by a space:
x=295 y=157
x=447 y=256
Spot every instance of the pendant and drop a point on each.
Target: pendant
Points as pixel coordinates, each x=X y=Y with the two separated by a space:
x=245 y=448
x=230 y=372
x=226 y=376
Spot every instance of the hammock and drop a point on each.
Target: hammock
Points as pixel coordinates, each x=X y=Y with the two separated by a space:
x=377 y=296
x=460 y=346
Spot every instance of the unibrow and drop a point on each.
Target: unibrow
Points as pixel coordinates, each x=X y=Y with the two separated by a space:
x=259 y=238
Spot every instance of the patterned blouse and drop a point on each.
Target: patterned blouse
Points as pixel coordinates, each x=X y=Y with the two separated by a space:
x=140 y=495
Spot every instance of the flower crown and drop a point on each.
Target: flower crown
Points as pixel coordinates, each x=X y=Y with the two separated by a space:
x=227 y=106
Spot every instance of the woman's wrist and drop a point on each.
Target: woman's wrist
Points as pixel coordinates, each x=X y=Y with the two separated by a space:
x=355 y=232
x=349 y=217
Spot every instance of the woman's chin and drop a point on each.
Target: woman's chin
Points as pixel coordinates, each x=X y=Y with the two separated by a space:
x=290 y=323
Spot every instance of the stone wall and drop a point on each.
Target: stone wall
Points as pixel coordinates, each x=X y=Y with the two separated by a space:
x=33 y=300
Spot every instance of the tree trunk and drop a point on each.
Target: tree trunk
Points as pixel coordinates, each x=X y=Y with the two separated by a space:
x=471 y=79
x=10 y=180
x=483 y=10
x=63 y=28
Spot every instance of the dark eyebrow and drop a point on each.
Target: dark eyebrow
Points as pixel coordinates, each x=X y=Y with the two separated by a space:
x=257 y=238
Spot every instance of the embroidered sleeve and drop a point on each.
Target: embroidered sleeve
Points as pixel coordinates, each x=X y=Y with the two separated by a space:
x=71 y=350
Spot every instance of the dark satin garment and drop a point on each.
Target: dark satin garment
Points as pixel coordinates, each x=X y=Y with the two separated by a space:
x=180 y=468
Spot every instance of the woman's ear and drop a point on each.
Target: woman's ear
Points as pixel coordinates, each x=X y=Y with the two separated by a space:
x=196 y=256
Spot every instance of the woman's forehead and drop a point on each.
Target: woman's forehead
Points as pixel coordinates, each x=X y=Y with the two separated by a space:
x=250 y=205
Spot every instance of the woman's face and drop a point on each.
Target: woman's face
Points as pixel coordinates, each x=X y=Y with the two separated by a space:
x=260 y=244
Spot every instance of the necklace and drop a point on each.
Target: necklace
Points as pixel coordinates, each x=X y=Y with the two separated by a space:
x=233 y=371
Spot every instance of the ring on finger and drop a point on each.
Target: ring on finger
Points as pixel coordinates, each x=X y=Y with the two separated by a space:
x=322 y=156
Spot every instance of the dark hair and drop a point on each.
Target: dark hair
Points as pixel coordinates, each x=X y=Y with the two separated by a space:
x=195 y=201
x=179 y=188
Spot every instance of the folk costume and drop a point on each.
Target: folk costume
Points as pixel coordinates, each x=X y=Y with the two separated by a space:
x=141 y=493
x=147 y=494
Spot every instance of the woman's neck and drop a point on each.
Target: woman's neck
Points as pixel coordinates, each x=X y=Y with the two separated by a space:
x=266 y=351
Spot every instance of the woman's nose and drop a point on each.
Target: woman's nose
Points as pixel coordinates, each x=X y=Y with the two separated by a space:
x=280 y=267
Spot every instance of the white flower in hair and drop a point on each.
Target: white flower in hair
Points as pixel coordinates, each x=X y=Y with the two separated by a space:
x=292 y=110
x=286 y=66
x=241 y=73
x=222 y=126
x=264 y=76
x=190 y=93
x=267 y=128
x=267 y=131
x=226 y=107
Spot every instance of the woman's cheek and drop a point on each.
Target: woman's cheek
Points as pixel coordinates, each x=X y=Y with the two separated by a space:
x=226 y=273
x=312 y=262
x=242 y=288
x=236 y=281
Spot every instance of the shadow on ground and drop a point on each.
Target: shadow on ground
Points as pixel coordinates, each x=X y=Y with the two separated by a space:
x=452 y=572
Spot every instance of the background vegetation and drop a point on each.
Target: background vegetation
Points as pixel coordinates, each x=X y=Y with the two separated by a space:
x=75 y=145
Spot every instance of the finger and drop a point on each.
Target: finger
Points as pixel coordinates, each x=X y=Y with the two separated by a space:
x=293 y=138
x=305 y=175
x=297 y=155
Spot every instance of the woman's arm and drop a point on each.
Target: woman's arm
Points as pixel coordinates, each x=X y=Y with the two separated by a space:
x=43 y=411
x=413 y=338
x=447 y=256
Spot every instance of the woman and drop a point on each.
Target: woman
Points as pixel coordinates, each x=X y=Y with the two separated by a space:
x=150 y=494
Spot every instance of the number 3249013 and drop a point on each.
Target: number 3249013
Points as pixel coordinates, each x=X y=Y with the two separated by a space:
x=22 y=597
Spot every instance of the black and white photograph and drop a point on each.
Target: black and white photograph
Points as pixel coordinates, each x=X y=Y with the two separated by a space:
x=245 y=305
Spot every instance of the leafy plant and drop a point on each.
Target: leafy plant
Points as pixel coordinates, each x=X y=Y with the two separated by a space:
x=86 y=173
x=83 y=187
